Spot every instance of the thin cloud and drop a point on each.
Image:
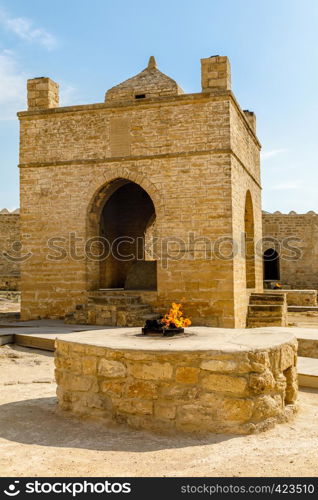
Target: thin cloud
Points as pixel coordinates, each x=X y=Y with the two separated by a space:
x=13 y=82
x=12 y=86
x=288 y=186
x=274 y=152
x=68 y=95
x=23 y=28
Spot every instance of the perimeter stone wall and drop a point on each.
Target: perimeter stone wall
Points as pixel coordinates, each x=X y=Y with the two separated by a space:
x=296 y=237
x=9 y=250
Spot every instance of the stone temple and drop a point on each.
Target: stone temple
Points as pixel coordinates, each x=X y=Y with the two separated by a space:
x=150 y=197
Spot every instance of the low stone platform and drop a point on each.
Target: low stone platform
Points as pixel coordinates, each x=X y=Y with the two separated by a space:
x=308 y=372
x=38 y=334
x=209 y=380
x=297 y=297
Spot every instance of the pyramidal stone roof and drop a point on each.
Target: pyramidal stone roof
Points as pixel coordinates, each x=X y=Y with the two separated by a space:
x=148 y=83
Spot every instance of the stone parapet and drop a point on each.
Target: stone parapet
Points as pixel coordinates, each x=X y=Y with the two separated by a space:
x=192 y=384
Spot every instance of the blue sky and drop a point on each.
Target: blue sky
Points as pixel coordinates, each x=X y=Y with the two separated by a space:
x=89 y=46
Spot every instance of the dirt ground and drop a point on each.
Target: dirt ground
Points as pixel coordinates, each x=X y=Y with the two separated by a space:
x=304 y=319
x=36 y=440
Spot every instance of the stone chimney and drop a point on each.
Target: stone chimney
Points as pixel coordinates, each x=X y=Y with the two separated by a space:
x=43 y=93
x=215 y=73
x=251 y=118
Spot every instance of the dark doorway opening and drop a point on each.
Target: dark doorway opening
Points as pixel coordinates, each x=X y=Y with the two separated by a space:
x=123 y=223
x=271 y=265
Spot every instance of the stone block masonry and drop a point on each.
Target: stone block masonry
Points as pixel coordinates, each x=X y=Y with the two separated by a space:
x=230 y=389
x=295 y=238
x=9 y=250
x=196 y=158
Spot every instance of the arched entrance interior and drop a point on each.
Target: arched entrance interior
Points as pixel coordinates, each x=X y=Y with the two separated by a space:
x=126 y=214
x=271 y=265
x=249 y=242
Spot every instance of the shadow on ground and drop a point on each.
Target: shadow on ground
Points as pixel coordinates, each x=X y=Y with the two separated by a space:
x=37 y=421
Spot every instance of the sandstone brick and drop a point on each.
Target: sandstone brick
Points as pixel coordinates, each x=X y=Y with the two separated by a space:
x=109 y=368
x=226 y=366
x=170 y=391
x=259 y=361
x=291 y=385
x=194 y=418
x=135 y=406
x=280 y=383
x=261 y=382
x=187 y=374
x=98 y=401
x=141 y=389
x=265 y=407
x=238 y=410
x=165 y=411
x=63 y=347
x=112 y=387
x=224 y=383
x=89 y=365
x=287 y=357
x=151 y=371
x=72 y=382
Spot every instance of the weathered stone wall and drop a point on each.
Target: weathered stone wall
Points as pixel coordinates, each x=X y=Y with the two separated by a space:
x=9 y=250
x=245 y=178
x=192 y=391
x=195 y=155
x=299 y=270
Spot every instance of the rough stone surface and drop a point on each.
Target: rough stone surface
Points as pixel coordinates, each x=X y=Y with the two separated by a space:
x=9 y=250
x=180 y=384
x=295 y=236
x=73 y=159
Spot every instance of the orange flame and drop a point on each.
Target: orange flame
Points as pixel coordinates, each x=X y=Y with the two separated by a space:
x=175 y=317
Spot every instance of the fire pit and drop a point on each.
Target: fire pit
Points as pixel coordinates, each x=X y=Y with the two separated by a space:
x=170 y=324
x=155 y=327
x=206 y=380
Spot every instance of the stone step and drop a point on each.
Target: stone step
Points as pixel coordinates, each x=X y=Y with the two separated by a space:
x=35 y=341
x=6 y=338
x=263 y=308
x=307 y=372
x=106 y=308
x=264 y=322
x=307 y=342
x=266 y=310
x=267 y=299
x=114 y=299
x=134 y=308
x=302 y=308
x=11 y=316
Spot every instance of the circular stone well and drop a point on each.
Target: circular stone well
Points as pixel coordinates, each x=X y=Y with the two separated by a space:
x=208 y=380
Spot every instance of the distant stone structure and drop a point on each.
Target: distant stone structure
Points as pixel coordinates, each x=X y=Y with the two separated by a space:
x=150 y=152
x=9 y=250
x=291 y=249
x=282 y=233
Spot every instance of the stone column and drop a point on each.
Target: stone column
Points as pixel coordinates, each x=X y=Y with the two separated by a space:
x=215 y=73
x=43 y=93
